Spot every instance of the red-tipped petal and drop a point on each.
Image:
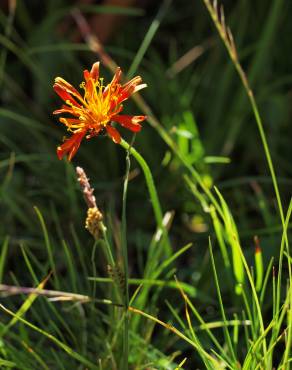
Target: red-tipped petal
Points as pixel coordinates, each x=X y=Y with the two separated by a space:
x=65 y=95
x=86 y=74
x=66 y=109
x=117 y=76
x=130 y=88
x=114 y=83
x=134 y=81
x=64 y=85
x=89 y=83
x=114 y=134
x=70 y=146
x=130 y=122
x=95 y=71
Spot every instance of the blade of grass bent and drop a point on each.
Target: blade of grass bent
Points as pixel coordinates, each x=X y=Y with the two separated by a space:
x=23 y=308
x=225 y=329
x=60 y=344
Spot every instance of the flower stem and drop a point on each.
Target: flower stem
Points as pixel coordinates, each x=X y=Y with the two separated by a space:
x=125 y=263
x=107 y=249
x=152 y=192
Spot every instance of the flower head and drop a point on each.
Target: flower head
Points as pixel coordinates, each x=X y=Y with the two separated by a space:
x=95 y=111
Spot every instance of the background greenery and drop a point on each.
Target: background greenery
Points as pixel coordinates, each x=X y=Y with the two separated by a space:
x=204 y=109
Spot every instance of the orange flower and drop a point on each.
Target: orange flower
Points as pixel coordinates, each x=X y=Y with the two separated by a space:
x=97 y=109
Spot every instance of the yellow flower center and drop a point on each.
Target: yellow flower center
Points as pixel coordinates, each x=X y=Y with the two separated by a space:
x=97 y=101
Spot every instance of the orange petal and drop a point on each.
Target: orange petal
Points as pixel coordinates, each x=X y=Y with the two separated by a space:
x=73 y=123
x=65 y=95
x=63 y=84
x=114 y=134
x=95 y=71
x=117 y=76
x=66 y=109
x=134 y=81
x=114 y=85
x=86 y=75
x=89 y=83
x=130 y=88
x=70 y=146
x=130 y=122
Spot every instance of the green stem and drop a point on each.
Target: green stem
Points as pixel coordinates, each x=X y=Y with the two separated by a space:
x=152 y=192
x=108 y=250
x=225 y=329
x=125 y=263
x=109 y=257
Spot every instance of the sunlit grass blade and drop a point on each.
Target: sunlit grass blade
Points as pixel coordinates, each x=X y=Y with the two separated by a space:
x=258 y=265
x=142 y=298
x=265 y=281
x=191 y=331
x=24 y=308
x=171 y=328
x=233 y=239
x=278 y=290
x=60 y=344
x=220 y=237
x=189 y=289
x=225 y=328
x=8 y=364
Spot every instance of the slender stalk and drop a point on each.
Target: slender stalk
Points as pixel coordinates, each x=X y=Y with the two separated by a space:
x=228 y=41
x=179 y=334
x=93 y=267
x=125 y=263
x=107 y=247
x=225 y=329
x=152 y=192
x=110 y=259
x=256 y=300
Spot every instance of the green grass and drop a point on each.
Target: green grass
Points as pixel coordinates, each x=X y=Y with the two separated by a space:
x=192 y=267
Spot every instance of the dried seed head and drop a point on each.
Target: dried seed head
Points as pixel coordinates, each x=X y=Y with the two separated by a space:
x=93 y=221
x=86 y=188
